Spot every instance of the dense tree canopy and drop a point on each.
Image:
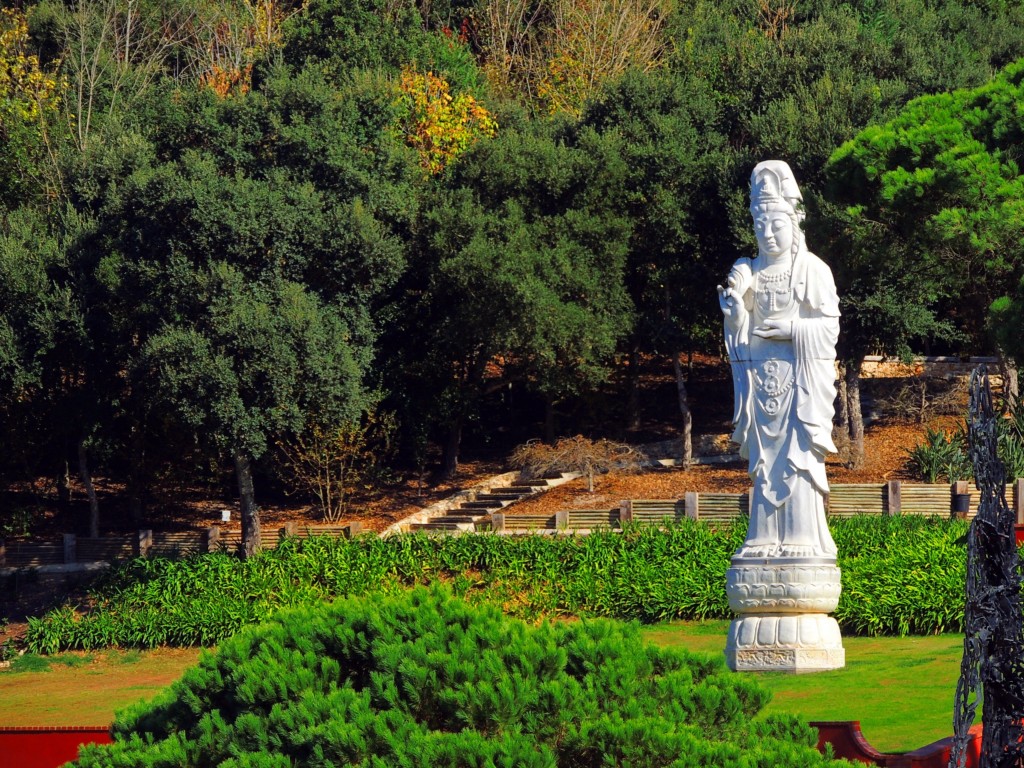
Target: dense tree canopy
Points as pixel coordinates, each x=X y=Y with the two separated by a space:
x=224 y=223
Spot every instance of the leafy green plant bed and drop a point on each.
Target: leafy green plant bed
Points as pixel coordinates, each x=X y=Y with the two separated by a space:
x=427 y=679
x=899 y=688
x=900 y=576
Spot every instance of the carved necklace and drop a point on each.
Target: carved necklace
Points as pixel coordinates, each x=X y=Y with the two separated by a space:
x=770 y=285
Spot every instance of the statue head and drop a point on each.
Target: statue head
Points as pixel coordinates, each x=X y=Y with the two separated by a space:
x=777 y=208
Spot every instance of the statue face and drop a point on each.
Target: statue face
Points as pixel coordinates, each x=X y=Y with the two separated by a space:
x=774 y=230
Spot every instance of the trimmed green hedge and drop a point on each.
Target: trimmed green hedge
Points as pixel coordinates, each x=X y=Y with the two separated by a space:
x=424 y=679
x=900 y=575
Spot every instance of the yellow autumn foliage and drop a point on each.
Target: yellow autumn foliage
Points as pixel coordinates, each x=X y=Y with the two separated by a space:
x=437 y=124
x=25 y=89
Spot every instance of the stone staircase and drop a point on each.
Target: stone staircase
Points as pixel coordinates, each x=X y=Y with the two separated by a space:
x=475 y=513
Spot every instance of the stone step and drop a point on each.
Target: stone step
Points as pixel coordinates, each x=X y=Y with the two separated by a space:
x=455 y=519
x=437 y=526
x=519 y=489
x=499 y=500
x=503 y=493
x=483 y=506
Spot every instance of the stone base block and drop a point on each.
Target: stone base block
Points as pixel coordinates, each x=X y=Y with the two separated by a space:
x=784 y=643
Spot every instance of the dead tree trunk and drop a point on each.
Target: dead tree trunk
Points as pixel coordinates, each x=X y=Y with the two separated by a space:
x=247 y=504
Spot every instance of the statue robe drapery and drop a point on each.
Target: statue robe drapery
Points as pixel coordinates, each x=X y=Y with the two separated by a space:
x=784 y=395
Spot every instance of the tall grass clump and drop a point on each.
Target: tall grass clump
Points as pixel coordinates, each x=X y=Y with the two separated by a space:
x=426 y=679
x=900 y=575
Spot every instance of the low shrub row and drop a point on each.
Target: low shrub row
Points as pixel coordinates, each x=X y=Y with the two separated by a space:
x=900 y=575
x=423 y=679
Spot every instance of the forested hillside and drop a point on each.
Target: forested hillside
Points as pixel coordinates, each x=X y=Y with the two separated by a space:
x=257 y=236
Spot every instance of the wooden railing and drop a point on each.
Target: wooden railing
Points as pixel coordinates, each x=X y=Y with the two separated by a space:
x=890 y=498
x=70 y=548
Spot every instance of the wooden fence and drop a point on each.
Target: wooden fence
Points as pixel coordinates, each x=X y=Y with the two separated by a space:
x=891 y=498
x=70 y=548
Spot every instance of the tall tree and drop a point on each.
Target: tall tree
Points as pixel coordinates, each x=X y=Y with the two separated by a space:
x=793 y=81
x=237 y=277
x=519 y=278
x=938 y=192
x=662 y=130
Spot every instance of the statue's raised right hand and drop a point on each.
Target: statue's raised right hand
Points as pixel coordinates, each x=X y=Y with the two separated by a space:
x=731 y=304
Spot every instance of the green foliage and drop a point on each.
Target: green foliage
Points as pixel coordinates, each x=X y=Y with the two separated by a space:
x=210 y=268
x=343 y=36
x=1010 y=442
x=945 y=456
x=900 y=575
x=518 y=277
x=940 y=184
x=426 y=679
x=1006 y=318
x=942 y=456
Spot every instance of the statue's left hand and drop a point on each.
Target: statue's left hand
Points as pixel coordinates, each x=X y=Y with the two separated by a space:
x=775 y=329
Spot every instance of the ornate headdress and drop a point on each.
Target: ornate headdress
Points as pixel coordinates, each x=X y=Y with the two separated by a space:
x=773 y=188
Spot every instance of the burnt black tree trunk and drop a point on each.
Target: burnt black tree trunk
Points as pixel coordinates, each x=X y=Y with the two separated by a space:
x=992 y=669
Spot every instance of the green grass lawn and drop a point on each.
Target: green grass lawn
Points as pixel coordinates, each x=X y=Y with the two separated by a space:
x=901 y=689
x=85 y=688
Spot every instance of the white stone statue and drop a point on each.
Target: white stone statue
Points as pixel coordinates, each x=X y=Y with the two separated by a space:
x=781 y=324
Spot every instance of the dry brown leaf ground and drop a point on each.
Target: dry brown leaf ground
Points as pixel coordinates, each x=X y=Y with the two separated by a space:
x=885 y=447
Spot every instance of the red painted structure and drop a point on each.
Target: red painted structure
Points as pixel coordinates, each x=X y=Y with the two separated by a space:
x=50 y=747
x=46 y=747
x=848 y=742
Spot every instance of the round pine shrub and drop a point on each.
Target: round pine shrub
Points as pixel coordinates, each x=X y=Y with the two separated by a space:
x=426 y=679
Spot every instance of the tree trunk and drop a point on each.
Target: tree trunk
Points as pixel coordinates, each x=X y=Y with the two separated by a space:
x=686 y=455
x=1011 y=383
x=64 y=484
x=247 y=502
x=633 y=389
x=841 y=422
x=136 y=473
x=549 y=420
x=855 y=419
x=450 y=457
x=90 y=489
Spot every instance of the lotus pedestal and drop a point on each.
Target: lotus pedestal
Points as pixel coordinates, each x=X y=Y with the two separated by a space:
x=782 y=622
